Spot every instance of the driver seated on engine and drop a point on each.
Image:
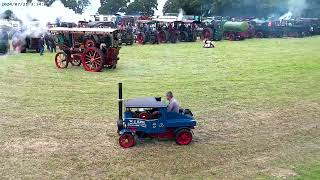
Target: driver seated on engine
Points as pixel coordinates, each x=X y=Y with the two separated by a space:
x=172 y=107
x=173 y=103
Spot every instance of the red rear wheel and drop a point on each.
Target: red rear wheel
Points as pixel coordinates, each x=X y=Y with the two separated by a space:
x=61 y=60
x=126 y=140
x=207 y=34
x=140 y=38
x=92 y=59
x=232 y=37
x=184 y=137
x=162 y=37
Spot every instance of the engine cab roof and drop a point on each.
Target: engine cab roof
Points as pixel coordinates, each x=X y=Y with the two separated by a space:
x=147 y=102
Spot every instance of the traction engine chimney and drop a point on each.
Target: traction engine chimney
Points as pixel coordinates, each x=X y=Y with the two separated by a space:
x=120 y=103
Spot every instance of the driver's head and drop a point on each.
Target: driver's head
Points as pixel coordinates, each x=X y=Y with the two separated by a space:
x=169 y=95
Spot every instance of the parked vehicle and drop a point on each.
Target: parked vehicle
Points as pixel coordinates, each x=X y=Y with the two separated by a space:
x=187 y=30
x=266 y=29
x=147 y=32
x=166 y=31
x=213 y=30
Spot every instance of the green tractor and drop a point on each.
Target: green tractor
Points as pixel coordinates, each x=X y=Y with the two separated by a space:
x=213 y=30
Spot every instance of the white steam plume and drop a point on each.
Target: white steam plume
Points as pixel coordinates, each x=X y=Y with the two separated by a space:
x=43 y=14
x=296 y=8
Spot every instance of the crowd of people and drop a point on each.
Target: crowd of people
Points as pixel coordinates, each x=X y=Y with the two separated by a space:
x=48 y=41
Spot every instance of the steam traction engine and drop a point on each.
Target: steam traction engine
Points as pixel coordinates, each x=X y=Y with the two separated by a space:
x=147 y=32
x=94 y=48
x=213 y=30
x=266 y=29
x=187 y=30
x=148 y=118
x=166 y=31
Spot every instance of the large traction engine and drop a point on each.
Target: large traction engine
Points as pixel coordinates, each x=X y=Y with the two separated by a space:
x=94 y=48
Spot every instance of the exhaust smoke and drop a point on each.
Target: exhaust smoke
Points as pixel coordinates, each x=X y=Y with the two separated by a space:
x=296 y=9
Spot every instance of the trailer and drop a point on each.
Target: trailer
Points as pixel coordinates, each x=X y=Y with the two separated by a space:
x=236 y=30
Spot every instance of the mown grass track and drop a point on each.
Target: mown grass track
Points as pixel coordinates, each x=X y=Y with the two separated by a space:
x=257 y=103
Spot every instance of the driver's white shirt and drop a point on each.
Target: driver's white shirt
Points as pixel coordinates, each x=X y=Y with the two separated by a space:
x=173 y=106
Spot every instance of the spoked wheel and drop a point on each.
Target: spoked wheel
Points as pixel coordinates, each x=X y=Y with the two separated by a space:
x=61 y=60
x=183 y=36
x=162 y=37
x=184 y=137
x=259 y=35
x=232 y=37
x=140 y=38
x=126 y=140
x=173 y=38
x=76 y=60
x=92 y=59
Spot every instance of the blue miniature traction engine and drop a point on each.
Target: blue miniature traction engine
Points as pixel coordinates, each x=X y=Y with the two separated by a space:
x=148 y=118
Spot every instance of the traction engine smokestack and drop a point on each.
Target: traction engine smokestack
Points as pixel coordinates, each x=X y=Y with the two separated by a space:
x=120 y=102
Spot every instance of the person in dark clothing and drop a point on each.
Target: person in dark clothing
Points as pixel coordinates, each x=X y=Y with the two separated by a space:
x=41 y=45
x=53 y=45
x=47 y=42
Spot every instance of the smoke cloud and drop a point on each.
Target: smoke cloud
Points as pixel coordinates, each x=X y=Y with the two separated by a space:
x=297 y=6
x=34 y=17
x=296 y=9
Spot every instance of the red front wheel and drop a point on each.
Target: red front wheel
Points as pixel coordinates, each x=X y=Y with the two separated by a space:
x=127 y=140
x=61 y=60
x=184 y=137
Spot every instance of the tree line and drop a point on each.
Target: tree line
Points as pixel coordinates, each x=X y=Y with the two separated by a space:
x=258 y=8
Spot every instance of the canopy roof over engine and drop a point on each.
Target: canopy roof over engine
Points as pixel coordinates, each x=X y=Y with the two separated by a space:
x=146 y=21
x=148 y=102
x=83 y=30
x=165 y=20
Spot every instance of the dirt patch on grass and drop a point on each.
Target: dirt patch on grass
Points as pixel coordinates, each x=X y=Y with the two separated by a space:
x=23 y=145
x=283 y=173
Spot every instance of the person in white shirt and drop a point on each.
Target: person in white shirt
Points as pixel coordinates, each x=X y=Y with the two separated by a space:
x=173 y=103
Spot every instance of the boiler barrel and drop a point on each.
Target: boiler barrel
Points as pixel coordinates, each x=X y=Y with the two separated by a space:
x=236 y=26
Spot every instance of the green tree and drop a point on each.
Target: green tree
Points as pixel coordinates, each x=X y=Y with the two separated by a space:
x=77 y=6
x=145 y=7
x=112 y=6
x=8 y=14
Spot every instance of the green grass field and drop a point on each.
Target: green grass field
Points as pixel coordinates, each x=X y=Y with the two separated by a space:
x=257 y=103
